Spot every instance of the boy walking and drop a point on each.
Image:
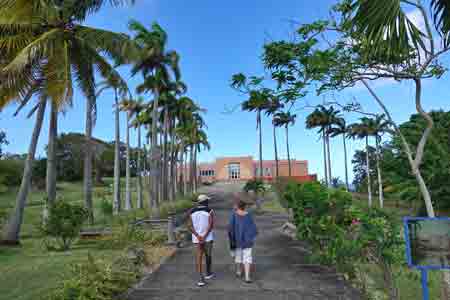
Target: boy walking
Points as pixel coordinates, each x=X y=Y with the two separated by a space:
x=201 y=224
x=242 y=232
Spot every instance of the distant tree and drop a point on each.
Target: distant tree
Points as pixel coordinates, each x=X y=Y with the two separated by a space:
x=3 y=142
x=286 y=119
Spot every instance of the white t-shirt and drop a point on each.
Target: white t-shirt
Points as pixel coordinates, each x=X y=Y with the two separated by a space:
x=200 y=222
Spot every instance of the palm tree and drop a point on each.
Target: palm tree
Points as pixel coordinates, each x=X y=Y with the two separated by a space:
x=273 y=107
x=46 y=46
x=286 y=119
x=137 y=108
x=339 y=127
x=158 y=66
x=127 y=105
x=323 y=118
x=363 y=130
x=120 y=90
x=380 y=126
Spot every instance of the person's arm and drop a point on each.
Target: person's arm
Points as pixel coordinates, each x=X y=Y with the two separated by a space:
x=192 y=230
x=210 y=224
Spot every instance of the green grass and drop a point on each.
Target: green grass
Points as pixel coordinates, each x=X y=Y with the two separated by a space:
x=29 y=272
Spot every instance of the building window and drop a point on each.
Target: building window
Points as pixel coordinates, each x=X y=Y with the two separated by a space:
x=267 y=172
x=234 y=171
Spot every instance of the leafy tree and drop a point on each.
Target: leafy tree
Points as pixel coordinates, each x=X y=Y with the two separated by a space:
x=45 y=48
x=3 y=142
x=359 y=163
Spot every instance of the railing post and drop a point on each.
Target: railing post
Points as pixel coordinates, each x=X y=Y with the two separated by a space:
x=171 y=229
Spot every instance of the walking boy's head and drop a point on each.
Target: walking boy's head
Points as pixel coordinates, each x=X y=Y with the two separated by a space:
x=202 y=200
x=240 y=203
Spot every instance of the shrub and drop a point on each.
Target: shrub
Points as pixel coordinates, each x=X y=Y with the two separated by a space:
x=63 y=224
x=97 y=280
x=340 y=233
x=11 y=172
x=254 y=185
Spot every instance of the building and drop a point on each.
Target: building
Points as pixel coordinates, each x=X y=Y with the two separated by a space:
x=246 y=168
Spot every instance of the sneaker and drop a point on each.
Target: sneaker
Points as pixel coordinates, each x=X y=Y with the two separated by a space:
x=210 y=276
x=201 y=283
x=248 y=281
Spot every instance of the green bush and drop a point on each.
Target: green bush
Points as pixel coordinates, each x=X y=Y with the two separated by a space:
x=11 y=172
x=254 y=185
x=340 y=233
x=97 y=280
x=63 y=224
x=127 y=235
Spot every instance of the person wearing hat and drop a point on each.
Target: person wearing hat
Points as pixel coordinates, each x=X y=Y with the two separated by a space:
x=201 y=224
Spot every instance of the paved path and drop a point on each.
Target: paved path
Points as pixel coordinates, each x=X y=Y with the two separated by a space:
x=281 y=271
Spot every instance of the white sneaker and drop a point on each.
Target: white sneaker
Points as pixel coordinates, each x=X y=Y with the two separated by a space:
x=210 y=276
x=201 y=283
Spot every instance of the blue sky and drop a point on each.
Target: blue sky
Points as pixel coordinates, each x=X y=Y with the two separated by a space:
x=215 y=40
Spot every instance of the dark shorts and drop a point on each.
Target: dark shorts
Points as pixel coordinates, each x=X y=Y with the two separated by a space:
x=205 y=247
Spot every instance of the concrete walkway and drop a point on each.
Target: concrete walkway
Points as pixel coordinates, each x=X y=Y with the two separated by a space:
x=281 y=270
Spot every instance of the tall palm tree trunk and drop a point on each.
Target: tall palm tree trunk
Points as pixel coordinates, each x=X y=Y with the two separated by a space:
x=181 y=172
x=288 y=152
x=195 y=170
x=140 y=200
x=330 y=177
x=12 y=228
x=165 y=167
x=277 y=169
x=116 y=201
x=51 y=155
x=128 y=205
x=155 y=157
x=87 y=184
x=325 y=158
x=380 y=181
x=191 y=171
x=258 y=121
x=345 y=163
x=369 y=182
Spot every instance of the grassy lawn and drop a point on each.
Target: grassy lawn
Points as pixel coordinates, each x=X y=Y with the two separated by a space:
x=29 y=272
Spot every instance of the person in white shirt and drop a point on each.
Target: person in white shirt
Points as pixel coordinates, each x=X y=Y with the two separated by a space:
x=201 y=224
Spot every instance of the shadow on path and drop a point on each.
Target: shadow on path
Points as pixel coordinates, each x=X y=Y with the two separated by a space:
x=281 y=271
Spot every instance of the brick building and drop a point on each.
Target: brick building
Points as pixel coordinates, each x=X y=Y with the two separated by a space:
x=246 y=168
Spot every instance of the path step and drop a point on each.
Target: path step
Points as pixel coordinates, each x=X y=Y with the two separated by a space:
x=240 y=294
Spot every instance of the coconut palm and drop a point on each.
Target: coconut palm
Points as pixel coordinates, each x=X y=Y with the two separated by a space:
x=273 y=107
x=158 y=67
x=46 y=47
x=286 y=119
x=339 y=127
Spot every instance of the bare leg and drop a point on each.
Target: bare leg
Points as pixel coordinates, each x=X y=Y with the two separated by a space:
x=199 y=260
x=238 y=270
x=247 y=272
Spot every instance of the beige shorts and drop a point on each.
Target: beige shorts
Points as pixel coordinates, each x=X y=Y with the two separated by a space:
x=243 y=256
